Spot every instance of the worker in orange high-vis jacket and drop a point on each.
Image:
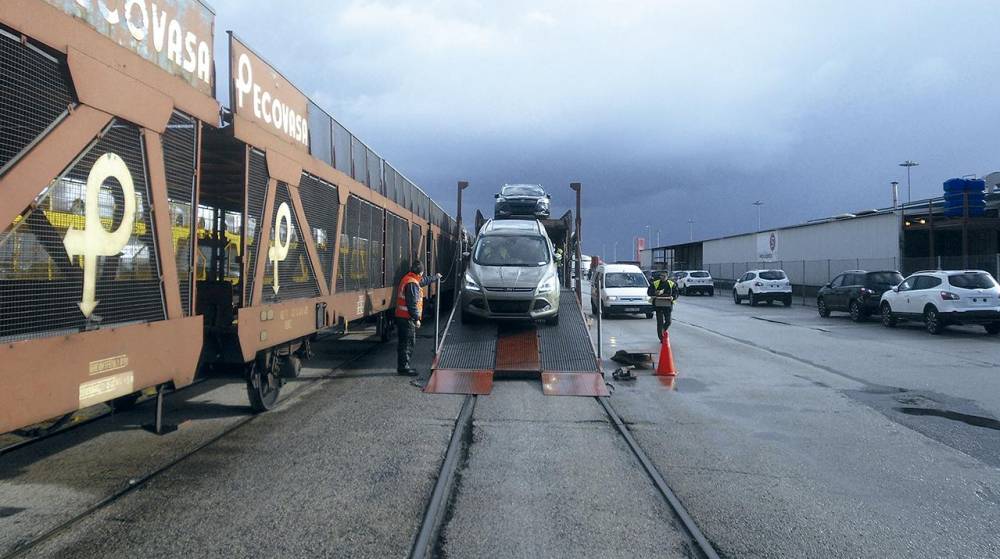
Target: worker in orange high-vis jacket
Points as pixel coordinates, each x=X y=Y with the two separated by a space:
x=409 y=310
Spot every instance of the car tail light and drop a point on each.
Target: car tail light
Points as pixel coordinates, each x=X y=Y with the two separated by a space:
x=949 y=296
x=866 y=292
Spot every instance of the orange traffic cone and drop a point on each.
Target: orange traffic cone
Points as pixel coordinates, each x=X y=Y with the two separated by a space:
x=665 y=367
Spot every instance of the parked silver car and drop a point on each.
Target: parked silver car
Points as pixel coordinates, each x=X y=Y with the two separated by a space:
x=512 y=274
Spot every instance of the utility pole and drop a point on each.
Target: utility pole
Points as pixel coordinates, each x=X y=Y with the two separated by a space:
x=616 y=252
x=909 y=165
x=579 y=242
x=758 y=203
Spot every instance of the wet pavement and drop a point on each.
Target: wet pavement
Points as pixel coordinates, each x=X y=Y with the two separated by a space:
x=782 y=440
x=785 y=435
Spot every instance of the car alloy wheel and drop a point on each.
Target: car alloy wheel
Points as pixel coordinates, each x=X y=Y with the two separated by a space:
x=888 y=320
x=931 y=321
x=736 y=297
x=821 y=308
x=857 y=315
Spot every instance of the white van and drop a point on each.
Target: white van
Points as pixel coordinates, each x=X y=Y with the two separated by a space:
x=620 y=289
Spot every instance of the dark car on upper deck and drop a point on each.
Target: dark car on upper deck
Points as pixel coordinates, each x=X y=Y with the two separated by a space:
x=522 y=200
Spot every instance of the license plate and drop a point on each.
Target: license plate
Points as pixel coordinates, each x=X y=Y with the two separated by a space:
x=631 y=309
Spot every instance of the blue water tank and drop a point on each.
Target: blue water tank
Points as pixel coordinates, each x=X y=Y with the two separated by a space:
x=955 y=191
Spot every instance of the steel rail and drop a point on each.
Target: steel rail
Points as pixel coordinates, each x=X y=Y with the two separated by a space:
x=135 y=483
x=661 y=485
x=428 y=536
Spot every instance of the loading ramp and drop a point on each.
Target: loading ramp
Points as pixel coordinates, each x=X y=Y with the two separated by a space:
x=561 y=356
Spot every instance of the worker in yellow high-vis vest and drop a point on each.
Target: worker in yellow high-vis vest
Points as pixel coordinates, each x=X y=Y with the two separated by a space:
x=409 y=310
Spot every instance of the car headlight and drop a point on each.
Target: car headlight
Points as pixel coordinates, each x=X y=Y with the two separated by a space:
x=612 y=298
x=543 y=202
x=548 y=285
x=501 y=199
x=470 y=284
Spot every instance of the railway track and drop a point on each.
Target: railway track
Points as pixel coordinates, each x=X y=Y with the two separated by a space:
x=132 y=484
x=428 y=541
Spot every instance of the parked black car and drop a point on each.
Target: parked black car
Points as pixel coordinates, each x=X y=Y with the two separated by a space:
x=522 y=200
x=857 y=292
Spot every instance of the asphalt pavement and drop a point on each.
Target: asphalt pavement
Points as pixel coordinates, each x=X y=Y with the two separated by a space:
x=789 y=435
x=784 y=434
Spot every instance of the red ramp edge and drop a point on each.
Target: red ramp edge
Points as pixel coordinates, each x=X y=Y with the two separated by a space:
x=458 y=381
x=555 y=383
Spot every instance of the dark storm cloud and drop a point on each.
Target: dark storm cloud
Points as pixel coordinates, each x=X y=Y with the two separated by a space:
x=666 y=111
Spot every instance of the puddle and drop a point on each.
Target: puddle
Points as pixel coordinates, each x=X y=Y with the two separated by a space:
x=10 y=511
x=970 y=429
x=690 y=385
x=974 y=420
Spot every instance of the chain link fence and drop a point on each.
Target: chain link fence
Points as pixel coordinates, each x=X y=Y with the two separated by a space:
x=808 y=276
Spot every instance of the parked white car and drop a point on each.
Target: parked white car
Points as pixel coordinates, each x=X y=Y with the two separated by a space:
x=695 y=281
x=940 y=298
x=763 y=285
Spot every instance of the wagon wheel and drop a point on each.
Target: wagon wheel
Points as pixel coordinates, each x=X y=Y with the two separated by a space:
x=263 y=382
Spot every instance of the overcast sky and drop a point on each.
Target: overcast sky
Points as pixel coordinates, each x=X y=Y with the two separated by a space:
x=665 y=110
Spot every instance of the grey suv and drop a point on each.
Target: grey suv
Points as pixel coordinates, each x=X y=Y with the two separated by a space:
x=512 y=274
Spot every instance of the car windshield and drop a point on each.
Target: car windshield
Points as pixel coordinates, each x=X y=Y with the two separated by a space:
x=971 y=280
x=522 y=190
x=512 y=250
x=625 y=279
x=772 y=275
x=700 y=275
x=885 y=278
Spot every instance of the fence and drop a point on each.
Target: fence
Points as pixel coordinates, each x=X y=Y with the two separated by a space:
x=807 y=276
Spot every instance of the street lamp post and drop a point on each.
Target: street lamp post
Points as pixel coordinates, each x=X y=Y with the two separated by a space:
x=579 y=242
x=459 y=257
x=908 y=164
x=895 y=194
x=616 y=252
x=691 y=229
x=758 y=203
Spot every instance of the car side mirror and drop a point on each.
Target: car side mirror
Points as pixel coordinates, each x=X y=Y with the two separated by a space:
x=496 y=195
x=895 y=289
x=828 y=285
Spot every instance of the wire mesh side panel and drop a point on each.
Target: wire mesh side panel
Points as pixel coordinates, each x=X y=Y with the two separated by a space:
x=51 y=279
x=377 y=254
x=257 y=178
x=416 y=251
x=393 y=261
x=321 y=204
x=180 y=146
x=35 y=92
x=290 y=277
x=360 y=165
x=375 y=172
x=346 y=275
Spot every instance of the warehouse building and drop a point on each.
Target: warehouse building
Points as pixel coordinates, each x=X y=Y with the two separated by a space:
x=941 y=233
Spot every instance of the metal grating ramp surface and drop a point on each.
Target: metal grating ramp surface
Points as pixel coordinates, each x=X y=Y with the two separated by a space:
x=451 y=381
x=468 y=346
x=574 y=384
x=567 y=347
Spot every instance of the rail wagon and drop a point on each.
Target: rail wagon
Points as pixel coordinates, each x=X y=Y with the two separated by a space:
x=99 y=153
x=143 y=236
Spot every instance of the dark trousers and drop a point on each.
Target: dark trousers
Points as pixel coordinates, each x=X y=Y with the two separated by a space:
x=662 y=321
x=407 y=330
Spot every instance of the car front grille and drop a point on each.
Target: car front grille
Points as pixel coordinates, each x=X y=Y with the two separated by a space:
x=510 y=307
x=511 y=289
